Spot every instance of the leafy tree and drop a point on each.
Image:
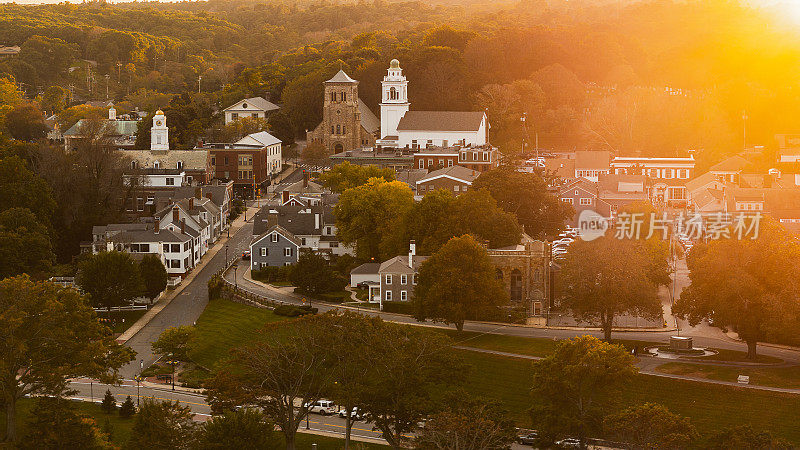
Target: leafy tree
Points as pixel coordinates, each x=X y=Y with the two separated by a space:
x=345 y=176
x=70 y=116
x=457 y=283
x=314 y=275
x=282 y=128
x=127 y=409
x=410 y=364
x=26 y=123
x=245 y=428
x=287 y=368
x=175 y=342
x=651 y=426
x=51 y=334
x=577 y=384
x=526 y=196
x=607 y=277
x=467 y=424
x=747 y=284
x=110 y=278
x=109 y=403
x=154 y=275
x=24 y=244
x=744 y=437
x=24 y=189
x=163 y=424
x=367 y=214
x=314 y=153
x=54 y=99
x=54 y=423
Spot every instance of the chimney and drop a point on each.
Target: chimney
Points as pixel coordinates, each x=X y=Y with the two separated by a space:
x=175 y=214
x=305 y=179
x=191 y=203
x=209 y=196
x=183 y=226
x=284 y=196
x=316 y=221
x=157 y=225
x=198 y=192
x=412 y=250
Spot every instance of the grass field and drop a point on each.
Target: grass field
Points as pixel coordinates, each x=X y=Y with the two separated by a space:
x=785 y=377
x=225 y=325
x=119 y=326
x=508 y=380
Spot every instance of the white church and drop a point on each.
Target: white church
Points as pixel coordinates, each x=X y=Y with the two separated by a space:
x=403 y=128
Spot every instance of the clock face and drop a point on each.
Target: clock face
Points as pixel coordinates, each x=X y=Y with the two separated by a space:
x=158 y=123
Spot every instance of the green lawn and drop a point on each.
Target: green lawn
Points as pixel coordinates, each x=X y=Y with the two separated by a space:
x=507 y=380
x=224 y=325
x=785 y=377
x=119 y=326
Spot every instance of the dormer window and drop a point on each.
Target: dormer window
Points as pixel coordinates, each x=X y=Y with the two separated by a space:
x=156 y=164
x=179 y=165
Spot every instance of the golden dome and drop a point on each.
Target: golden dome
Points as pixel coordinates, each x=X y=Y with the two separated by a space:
x=159 y=113
x=395 y=64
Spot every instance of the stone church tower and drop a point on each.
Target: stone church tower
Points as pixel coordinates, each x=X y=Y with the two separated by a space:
x=347 y=123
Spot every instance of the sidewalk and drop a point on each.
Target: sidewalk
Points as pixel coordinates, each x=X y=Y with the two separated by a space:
x=168 y=295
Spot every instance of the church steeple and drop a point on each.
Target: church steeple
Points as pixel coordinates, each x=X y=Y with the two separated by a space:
x=394 y=99
x=159 y=133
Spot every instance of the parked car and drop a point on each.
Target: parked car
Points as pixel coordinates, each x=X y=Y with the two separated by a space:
x=354 y=414
x=246 y=255
x=324 y=407
x=569 y=443
x=531 y=438
x=363 y=285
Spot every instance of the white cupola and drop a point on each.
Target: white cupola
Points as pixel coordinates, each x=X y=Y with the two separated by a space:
x=112 y=113
x=159 y=133
x=394 y=99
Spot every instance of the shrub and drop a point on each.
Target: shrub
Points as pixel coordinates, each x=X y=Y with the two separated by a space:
x=127 y=409
x=272 y=274
x=109 y=403
x=399 y=307
x=294 y=310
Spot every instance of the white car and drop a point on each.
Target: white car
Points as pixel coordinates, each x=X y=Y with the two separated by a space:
x=569 y=443
x=324 y=407
x=354 y=414
x=564 y=241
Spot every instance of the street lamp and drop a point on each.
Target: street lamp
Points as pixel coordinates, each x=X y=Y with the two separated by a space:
x=172 y=361
x=226 y=255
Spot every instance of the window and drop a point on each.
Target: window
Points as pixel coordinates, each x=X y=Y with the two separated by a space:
x=388 y=278
x=449 y=163
x=156 y=165
x=388 y=296
x=170 y=181
x=166 y=248
x=462 y=156
x=264 y=251
x=176 y=248
x=414 y=278
x=273 y=237
x=179 y=165
x=485 y=156
x=403 y=279
x=444 y=142
x=441 y=162
x=226 y=160
x=333 y=96
x=474 y=156
x=421 y=163
x=403 y=296
x=287 y=251
x=334 y=244
x=585 y=201
x=255 y=114
x=567 y=200
x=234 y=116
x=176 y=263
x=430 y=162
x=456 y=188
x=332 y=129
x=338 y=129
x=344 y=96
x=344 y=129
x=263 y=265
x=302 y=241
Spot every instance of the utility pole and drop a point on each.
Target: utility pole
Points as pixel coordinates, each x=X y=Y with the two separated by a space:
x=119 y=72
x=199 y=77
x=107 y=76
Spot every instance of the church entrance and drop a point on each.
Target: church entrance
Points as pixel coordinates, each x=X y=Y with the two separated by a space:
x=338 y=148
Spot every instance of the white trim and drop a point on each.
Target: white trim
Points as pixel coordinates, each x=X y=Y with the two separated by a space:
x=425 y=180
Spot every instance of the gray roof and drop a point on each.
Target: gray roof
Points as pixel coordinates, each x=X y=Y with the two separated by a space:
x=260 y=103
x=454 y=172
x=399 y=264
x=368 y=120
x=260 y=138
x=116 y=128
x=138 y=232
x=366 y=268
x=441 y=121
x=296 y=219
x=341 y=77
x=217 y=192
x=283 y=232
x=192 y=159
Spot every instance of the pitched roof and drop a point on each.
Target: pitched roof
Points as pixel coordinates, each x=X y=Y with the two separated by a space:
x=259 y=103
x=261 y=138
x=280 y=230
x=218 y=193
x=366 y=269
x=706 y=197
x=298 y=220
x=701 y=181
x=597 y=160
x=368 y=120
x=341 y=77
x=579 y=183
x=116 y=128
x=622 y=186
x=735 y=163
x=563 y=167
x=441 y=121
x=459 y=173
x=399 y=264
x=192 y=159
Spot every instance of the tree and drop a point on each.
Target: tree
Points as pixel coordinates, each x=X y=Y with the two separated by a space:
x=606 y=277
x=245 y=428
x=526 y=196
x=127 y=409
x=175 y=342
x=54 y=99
x=24 y=244
x=109 y=403
x=366 y=215
x=746 y=284
x=163 y=424
x=314 y=275
x=651 y=427
x=314 y=153
x=54 y=423
x=345 y=176
x=576 y=385
x=26 y=123
x=409 y=364
x=154 y=275
x=744 y=437
x=24 y=189
x=110 y=278
x=457 y=283
x=284 y=370
x=467 y=424
x=50 y=334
